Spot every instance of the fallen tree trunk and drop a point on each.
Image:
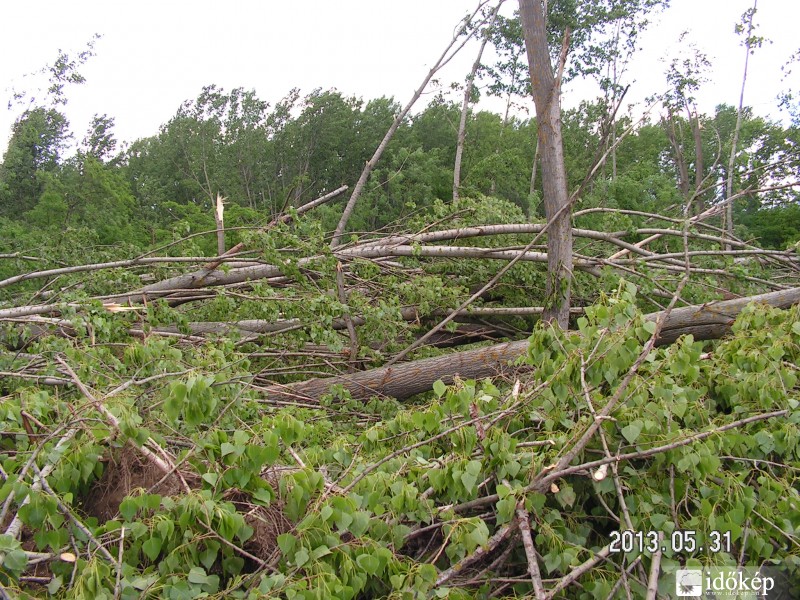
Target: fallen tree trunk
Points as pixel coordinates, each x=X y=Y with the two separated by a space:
x=706 y=321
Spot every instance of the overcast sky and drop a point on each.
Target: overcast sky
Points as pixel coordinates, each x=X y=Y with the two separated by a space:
x=155 y=54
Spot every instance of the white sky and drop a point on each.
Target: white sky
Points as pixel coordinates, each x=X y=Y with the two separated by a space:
x=156 y=54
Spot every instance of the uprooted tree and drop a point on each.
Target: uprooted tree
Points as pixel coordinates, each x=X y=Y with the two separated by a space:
x=286 y=408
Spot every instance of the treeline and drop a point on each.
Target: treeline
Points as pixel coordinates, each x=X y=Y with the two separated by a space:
x=265 y=158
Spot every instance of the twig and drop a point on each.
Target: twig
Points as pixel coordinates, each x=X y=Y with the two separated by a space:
x=234 y=547
x=15 y=527
x=543 y=480
x=160 y=463
x=623 y=579
x=524 y=525
x=118 y=586
x=351 y=330
x=424 y=442
x=296 y=456
x=576 y=573
x=282 y=219
x=792 y=538
x=660 y=449
x=655 y=569
x=500 y=535
x=552 y=474
x=485 y=288
x=75 y=521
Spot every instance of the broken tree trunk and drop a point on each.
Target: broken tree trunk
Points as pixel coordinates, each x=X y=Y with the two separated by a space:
x=706 y=321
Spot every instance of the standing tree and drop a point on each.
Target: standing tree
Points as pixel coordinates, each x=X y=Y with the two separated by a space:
x=546 y=88
x=40 y=134
x=588 y=24
x=100 y=142
x=750 y=42
x=685 y=76
x=37 y=142
x=468 y=91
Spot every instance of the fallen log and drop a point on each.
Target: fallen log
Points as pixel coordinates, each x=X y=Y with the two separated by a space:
x=711 y=320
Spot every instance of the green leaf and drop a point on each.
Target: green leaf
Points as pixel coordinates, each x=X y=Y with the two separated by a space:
x=209 y=556
x=369 y=563
x=151 y=501
x=319 y=552
x=15 y=561
x=439 y=388
x=286 y=542
x=301 y=557
x=566 y=496
x=55 y=584
x=479 y=535
x=227 y=448
x=632 y=431
x=166 y=528
x=152 y=548
x=128 y=508
x=469 y=481
x=658 y=520
x=502 y=491
x=505 y=509
x=552 y=561
x=174 y=402
x=197 y=576
x=343 y=521
x=473 y=467
x=360 y=523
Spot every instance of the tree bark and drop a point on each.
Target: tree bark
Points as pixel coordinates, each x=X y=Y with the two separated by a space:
x=680 y=159
x=706 y=321
x=546 y=95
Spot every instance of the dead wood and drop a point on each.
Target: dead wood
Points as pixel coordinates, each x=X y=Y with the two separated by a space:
x=711 y=320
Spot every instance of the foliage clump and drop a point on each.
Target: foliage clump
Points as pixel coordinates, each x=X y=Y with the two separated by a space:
x=384 y=500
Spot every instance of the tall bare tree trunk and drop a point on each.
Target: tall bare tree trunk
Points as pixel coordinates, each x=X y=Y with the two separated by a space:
x=546 y=88
x=462 y=124
x=697 y=202
x=680 y=160
x=728 y=229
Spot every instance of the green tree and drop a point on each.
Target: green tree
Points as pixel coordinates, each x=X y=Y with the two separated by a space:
x=38 y=140
x=85 y=193
x=99 y=142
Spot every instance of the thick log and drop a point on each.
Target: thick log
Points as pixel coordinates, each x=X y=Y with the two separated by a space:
x=706 y=321
x=406 y=379
x=713 y=320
